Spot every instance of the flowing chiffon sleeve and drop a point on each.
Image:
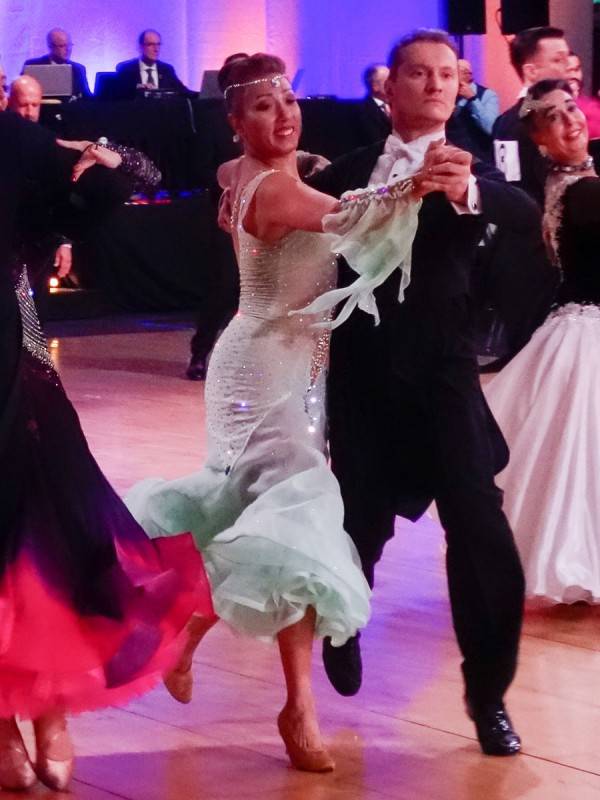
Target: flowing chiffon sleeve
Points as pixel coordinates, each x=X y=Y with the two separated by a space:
x=373 y=230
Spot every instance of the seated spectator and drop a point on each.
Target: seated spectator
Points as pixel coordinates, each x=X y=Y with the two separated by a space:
x=482 y=103
x=477 y=108
x=147 y=72
x=374 y=112
x=25 y=98
x=575 y=74
x=59 y=52
x=3 y=89
x=589 y=105
x=48 y=249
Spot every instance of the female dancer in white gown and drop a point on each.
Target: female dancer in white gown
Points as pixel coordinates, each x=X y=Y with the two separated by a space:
x=547 y=399
x=266 y=511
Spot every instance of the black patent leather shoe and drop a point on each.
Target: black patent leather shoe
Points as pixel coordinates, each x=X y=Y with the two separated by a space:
x=495 y=731
x=343 y=665
x=196 y=370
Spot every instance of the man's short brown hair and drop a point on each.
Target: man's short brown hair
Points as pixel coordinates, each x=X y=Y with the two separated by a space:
x=525 y=44
x=431 y=35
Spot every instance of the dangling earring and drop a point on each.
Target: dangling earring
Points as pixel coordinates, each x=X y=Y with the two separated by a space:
x=236 y=137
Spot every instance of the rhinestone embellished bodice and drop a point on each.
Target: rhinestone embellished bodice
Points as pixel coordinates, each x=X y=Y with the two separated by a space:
x=277 y=278
x=268 y=365
x=572 y=220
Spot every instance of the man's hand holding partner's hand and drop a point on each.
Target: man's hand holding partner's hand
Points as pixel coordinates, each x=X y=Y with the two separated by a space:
x=446 y=169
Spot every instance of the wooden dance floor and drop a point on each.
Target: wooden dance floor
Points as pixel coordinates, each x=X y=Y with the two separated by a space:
x=404 y=736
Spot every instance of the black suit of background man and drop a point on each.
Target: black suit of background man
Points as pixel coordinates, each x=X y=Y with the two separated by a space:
x=509 y=127
x=373 y=113
x=128 y=78
x=521 y=281
x=409 y=423
x=80 y=82
x=374 y=123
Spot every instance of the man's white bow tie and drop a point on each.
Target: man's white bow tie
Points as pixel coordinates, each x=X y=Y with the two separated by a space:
x=398 y=149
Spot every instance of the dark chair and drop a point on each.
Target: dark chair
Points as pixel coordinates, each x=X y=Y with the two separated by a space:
x=105 y=87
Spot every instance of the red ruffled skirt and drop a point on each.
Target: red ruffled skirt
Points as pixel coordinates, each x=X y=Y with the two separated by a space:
x=92 y=612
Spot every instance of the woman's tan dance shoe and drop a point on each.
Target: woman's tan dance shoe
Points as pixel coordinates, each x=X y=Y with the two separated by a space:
x=179 y=683
x=303 y=758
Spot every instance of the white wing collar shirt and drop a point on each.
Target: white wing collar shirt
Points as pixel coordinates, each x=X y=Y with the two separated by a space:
x=401 y=159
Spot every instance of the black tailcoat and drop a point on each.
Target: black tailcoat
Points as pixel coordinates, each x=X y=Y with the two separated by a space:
x=409 y=423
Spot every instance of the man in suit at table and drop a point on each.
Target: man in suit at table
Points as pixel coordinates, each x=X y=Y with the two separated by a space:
x=408 y=422
x=59 y=52
x=147 y=72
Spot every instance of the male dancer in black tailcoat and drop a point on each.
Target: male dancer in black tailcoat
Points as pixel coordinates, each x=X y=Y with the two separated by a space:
x=408 y=421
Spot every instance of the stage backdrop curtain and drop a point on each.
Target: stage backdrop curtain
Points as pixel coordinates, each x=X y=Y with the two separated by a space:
x=331 y=40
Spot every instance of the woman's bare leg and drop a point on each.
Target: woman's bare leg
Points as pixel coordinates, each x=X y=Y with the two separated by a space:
x=298 y=724
x=179 y=682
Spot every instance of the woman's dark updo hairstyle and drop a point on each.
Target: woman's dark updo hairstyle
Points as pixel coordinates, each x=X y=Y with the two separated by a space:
x=242 y=70
x=539 y=90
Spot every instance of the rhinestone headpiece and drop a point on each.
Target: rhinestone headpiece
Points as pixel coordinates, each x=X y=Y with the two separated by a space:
x=529 y=105
x=274 y=80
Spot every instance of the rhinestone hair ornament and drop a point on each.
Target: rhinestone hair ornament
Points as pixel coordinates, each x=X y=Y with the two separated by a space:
x=273 y=80
x=529 y=105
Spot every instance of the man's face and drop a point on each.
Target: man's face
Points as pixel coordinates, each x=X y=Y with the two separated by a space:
x=26 y=101
x=465 y=72
x=3 y=90
x=150 y=47
x=550 y=60
x=378 y=80
x=60 y=46
x=574 y=69
x=423 y=91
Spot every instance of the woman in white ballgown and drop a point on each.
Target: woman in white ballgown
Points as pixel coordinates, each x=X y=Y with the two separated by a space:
x=547 y=399
x=266 y=511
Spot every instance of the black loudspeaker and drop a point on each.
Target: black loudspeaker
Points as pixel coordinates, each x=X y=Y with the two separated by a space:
x=465 y=16
x=517 y=15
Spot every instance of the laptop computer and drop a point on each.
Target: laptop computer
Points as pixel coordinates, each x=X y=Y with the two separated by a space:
x=56 y=79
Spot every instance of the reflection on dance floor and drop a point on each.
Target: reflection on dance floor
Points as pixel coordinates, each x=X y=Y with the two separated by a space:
x=404 y=736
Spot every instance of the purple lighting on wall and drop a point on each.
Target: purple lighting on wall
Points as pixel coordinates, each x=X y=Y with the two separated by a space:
x=332 y=41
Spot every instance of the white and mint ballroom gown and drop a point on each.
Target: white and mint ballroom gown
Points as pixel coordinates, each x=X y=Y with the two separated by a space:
x=547 y=403
x=266 y=510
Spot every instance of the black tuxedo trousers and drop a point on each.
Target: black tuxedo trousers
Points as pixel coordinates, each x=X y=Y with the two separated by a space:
x=409 y=424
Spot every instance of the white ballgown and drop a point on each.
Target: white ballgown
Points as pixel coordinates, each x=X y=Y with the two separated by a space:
x=547 y=404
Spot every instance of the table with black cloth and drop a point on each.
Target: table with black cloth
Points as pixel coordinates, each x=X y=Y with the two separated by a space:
x=162 y=129
x=172 y=255
x=172 y=131
x=160 y=257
